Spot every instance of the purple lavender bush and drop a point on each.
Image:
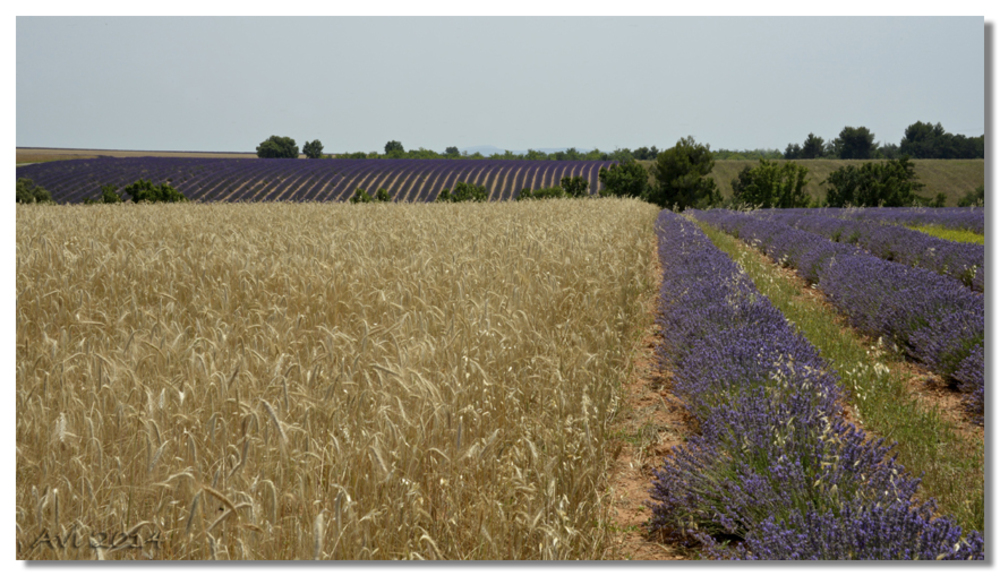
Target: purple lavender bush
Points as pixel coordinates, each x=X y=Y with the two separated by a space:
x=934 y=319
x=773 y=458
x=956 y=259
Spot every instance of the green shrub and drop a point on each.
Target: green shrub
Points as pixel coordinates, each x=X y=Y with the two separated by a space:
x=575 y=187
x=30 y=193
x=625 y=179
x=975 y=198
x=772 y=185
x=361 y=197
x=464 y=192
x=145 y=191
x=109 y=194
x=890 y=183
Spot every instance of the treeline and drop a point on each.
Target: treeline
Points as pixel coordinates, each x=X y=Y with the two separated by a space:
x=920 y=140
x=395 y=149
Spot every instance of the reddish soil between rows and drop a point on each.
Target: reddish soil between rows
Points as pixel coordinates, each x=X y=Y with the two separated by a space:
x=651 y=424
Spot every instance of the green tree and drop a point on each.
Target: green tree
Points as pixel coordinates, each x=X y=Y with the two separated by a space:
x=920 y=140
x=890 y=183
x=452 y=151
x=109 y=194
x=145 y=191
x=278 y=147
x=464 y=192
x=381 y=195
x=313 y=149
x=361 y=197
x=394 y=146
x=855 y=143
x=813 y=147
x=30 y=193
x=575 y=187
x=772 y=185
x=975 y=198
x=793 y=152
x=625 y=179
x=682 y=173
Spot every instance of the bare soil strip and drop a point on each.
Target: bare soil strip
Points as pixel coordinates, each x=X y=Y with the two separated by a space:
x=651 y=423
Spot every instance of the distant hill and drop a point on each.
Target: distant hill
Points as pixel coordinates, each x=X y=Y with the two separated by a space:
x=953 y=177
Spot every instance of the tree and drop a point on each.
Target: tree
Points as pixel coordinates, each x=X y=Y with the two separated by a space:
x=793 y=152
x=682 y=176
x=361 y=197
x=313 y=149
x=464 y=192
x=813 y=147
x=772 y=185
x=625 y=179
x=890 y=183
x=452 y=151
x=924 y=140
x=575 y=187
x=145 y=191
x=855 y=143
x=30 y=193
x=975 y=198
x=278 y=147
x=394 y=146
x=109 y=194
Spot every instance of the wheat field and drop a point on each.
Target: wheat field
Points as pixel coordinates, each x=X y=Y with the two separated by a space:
x=323 y=381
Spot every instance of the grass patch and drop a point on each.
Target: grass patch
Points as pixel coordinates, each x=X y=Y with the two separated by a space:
x=952 y=466
x=951 y=234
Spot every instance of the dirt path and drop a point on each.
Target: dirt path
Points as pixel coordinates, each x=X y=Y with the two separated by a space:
x=650 y=425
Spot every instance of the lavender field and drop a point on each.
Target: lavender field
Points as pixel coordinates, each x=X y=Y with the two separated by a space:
x=935 y=318
x=776 y=472
x=328 y=180
x=470 y=361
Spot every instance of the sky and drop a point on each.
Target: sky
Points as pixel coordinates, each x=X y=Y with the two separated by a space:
x=227 y=83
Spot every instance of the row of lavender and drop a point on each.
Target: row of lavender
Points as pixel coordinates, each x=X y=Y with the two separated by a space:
x=272 y=179
x=972 y=219
x=775 y=470
x=934 y=319
x=959 y=260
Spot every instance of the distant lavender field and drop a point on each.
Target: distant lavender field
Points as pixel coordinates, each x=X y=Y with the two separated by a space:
x=972 y=219
x=959 y=260
x=296 y=180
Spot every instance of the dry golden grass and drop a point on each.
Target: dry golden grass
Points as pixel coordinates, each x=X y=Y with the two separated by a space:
x=280 y=381
x=30 y=155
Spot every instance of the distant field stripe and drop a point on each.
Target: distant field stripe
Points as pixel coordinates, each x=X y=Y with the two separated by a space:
x=344 y=187
x=411 y=185
x=512 y=189
x=594 y=179
x=433 y=185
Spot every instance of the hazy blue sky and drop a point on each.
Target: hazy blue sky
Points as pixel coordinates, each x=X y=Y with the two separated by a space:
x=225 y=84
